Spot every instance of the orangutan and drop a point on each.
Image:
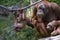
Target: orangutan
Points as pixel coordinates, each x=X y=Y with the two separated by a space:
x=43 y=13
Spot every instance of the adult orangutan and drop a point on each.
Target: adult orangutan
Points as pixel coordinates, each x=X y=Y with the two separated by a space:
x=43 y=13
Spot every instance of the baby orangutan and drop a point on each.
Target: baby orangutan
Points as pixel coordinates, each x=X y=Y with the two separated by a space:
x=54 y=26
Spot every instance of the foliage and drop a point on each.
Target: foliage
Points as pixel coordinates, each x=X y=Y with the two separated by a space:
x=56 y=1
x=7 y=31
x=14 y=2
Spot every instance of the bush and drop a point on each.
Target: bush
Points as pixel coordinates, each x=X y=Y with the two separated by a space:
x=56 y=1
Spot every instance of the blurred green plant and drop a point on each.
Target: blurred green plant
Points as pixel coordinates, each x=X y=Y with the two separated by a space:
x=14 y=2
x=56 y=1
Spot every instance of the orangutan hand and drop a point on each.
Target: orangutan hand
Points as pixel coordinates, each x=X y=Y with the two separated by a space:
x=56 y=32
x=51 y=25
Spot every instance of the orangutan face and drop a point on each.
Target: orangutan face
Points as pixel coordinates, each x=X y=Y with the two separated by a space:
x=41 y=10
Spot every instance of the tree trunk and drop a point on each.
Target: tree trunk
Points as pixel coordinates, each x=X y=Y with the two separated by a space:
x=31 y=2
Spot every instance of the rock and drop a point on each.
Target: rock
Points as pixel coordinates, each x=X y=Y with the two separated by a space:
x=51 y=38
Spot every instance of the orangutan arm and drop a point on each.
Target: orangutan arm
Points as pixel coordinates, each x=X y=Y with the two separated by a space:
x=56 y=11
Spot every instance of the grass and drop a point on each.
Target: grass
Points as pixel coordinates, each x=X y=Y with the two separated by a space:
x=7 y=31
